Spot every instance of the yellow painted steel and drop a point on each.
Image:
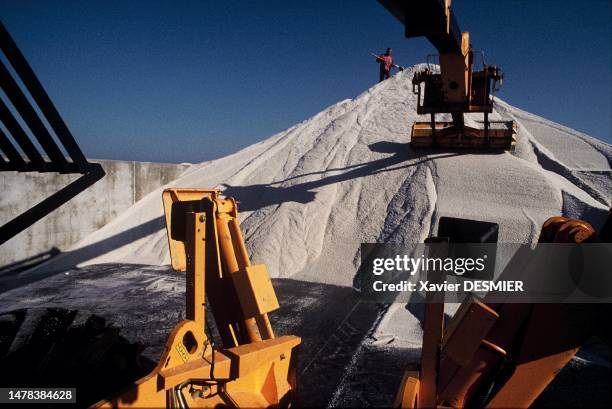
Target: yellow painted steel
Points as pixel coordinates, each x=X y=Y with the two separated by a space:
x=542 y=337
x=407 y=395
x=258 y=371
x=170 y=197
x=254 y=283
x=421 y=136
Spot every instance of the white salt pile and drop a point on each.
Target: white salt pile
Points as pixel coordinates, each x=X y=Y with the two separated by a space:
x=310 y=195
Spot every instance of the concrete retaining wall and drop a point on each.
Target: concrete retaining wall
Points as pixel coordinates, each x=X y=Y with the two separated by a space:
x=125 y=183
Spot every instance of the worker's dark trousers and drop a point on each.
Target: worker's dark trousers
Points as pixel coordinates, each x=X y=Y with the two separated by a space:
x=383 y=75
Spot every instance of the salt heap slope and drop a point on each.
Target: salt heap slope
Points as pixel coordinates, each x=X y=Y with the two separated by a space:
x=310 y=195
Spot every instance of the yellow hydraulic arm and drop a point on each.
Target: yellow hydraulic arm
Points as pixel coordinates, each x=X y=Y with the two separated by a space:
x=251 y=368
x=457 y=88
x=500 y=355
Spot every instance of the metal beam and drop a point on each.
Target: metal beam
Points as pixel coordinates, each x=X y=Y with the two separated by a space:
x=40 y=96
x=21 y=104
x=19 y=135
x=48 y=205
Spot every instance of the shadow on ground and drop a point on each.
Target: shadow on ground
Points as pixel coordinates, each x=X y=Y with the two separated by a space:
x=56 y=347
x=63 y=261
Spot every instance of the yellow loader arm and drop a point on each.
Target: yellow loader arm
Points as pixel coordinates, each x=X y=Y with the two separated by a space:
x=462 y=365
x=456 y=87
x=252 y=369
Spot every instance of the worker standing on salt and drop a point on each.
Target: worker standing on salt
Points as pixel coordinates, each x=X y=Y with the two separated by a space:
x=386 y=62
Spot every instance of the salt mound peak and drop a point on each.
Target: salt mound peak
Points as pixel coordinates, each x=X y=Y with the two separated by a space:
x=310 y=195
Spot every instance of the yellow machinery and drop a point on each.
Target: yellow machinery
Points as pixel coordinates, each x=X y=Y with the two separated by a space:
x=500 y=355
x=252 y=368
x=457 y=88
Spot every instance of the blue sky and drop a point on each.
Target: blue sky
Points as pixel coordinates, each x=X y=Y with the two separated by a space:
x=194 y=80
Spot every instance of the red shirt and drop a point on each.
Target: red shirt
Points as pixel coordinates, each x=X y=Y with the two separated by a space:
x=387 y=61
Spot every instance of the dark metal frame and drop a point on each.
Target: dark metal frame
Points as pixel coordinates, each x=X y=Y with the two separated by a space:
x=31 y=160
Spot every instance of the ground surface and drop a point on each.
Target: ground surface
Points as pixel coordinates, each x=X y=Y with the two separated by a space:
x=114 y=319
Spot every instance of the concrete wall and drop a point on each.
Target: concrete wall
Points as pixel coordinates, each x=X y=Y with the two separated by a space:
x=125 y=183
